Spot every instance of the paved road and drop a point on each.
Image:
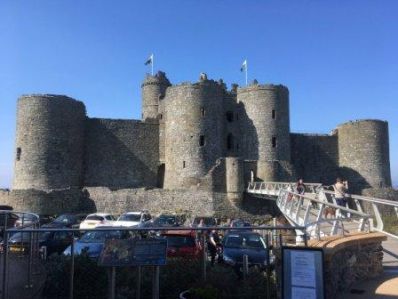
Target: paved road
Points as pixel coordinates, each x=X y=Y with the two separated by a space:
x=385 y=286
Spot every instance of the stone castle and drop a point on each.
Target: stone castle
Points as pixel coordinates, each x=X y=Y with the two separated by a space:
x=194 y=138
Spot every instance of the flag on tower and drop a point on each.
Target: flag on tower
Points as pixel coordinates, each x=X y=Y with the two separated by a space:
x=149 y=60
x=244 y=66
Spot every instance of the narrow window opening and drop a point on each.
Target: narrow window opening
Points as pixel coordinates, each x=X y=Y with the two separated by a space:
x=230 y=116
x=230 y=141
x=202 y=140
x=237 y=116
x=160 y=116
x=202 y=111
x=183 y=164
x=19 y=151
x=274 y=141
x=273 y=114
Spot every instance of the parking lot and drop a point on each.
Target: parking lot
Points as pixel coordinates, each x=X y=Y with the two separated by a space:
x=234 y=260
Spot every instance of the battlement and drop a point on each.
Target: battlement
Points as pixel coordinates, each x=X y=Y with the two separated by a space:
x=255 y=87
x=361 y=121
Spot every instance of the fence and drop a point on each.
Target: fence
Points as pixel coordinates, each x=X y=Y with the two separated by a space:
x=28 y=270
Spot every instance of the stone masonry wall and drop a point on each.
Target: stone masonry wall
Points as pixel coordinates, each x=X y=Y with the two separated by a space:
x=194 y=202
x=351 y=259
x=121 y=153
x=315 y=157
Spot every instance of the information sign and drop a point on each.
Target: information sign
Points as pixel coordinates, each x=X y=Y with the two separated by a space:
x=133 y=252
x=302 y=273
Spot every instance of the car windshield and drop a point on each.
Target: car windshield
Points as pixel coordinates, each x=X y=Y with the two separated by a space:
x=209 y=221
x=65 y=219
x=19 y=236
x=163 y=219
x=100 y=236
x=240 y=223
x=95 y=217
x=130 y=217
x=44 y=235
x=244 y=241
x=180 y=241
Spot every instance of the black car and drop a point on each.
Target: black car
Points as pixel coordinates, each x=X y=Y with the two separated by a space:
x=165 y=220
x=237 y=244
x=206 y=221
x=48 y=242
x=66 y=221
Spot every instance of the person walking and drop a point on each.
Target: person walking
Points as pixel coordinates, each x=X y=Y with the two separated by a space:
x=213 y=242
x=340 y=189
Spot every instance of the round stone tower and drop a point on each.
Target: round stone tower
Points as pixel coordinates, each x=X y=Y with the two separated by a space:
x=49 y=142
x=153 y=91
x=194 y=132
x=363 y=148
x=265 y=127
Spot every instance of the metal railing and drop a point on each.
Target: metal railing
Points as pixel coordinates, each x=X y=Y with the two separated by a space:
x=371 y=205
x=308 y=211
x=273 y=188
x=20 y=272
x=360 y=209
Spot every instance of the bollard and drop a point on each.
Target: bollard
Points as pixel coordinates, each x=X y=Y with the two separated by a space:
x=245 y=266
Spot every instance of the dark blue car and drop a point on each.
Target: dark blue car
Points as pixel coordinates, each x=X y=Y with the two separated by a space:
x=92 y=242
x=236 y=244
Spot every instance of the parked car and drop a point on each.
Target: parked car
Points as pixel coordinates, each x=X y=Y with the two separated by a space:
x=166 y=220
x=66 y=220
x=183 y=244
x=237 y=244
x=93 y=241
x=97 y=219
x=49 y=242
x=239 y=223
x=11 y=219
x=27 y=220
x=207 y=221
x=133 y=218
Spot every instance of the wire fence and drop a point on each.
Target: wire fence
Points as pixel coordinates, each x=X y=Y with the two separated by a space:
x=68 y=266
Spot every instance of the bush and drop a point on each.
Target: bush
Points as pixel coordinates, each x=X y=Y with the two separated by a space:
x=91 y=280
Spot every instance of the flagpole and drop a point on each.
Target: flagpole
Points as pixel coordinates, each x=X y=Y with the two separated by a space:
x=152 y=66
x=246 y=72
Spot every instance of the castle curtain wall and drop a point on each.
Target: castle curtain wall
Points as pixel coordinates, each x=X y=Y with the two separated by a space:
x=315 y=157
x=121 y=153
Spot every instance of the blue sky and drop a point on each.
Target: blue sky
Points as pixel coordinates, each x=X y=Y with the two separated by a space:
x=338 y=58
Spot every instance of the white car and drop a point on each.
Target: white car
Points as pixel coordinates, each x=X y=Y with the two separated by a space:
x=97 y=219
x=133 y=219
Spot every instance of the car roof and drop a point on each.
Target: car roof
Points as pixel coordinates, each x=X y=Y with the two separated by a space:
x=241 y=232
x=100 y=214
x=190 y=233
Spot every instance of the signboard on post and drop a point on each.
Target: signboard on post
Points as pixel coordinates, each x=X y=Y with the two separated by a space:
x=302 y=273
x=133 y=252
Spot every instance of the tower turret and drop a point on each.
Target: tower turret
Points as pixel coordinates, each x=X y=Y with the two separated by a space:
x=153 y=91
x=194 y=131
x=265 y=127
x=49 y=142
x=363 y=149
